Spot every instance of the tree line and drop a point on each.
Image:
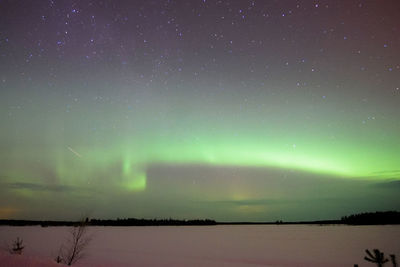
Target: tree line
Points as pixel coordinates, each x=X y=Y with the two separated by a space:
x=372 y=218
x=366 y=218
x=117 y=222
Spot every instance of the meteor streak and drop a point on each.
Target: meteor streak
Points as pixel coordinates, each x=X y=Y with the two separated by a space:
x=75 y=153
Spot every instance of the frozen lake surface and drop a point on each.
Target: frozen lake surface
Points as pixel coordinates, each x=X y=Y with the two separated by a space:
x=230 y=245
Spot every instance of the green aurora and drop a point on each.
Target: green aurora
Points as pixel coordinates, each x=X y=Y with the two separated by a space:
x=346 y=156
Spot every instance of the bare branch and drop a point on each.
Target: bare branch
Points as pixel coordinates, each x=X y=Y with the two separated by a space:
x=76 y=244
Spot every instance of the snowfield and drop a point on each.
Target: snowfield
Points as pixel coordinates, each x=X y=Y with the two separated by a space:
x=239 y=245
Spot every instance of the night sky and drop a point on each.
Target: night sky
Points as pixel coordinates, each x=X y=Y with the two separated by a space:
x=231 y=110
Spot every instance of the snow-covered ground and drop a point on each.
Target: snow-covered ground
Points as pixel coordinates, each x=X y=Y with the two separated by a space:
x=240 y=245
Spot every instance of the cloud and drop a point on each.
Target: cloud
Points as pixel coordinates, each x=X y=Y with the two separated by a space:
x=251 y=202
x=39 y=187
x=387 y=174
x=394 y=184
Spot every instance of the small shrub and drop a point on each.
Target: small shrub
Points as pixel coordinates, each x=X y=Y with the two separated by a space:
x=393 y=260
x=378 y=257
x=17 y=246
